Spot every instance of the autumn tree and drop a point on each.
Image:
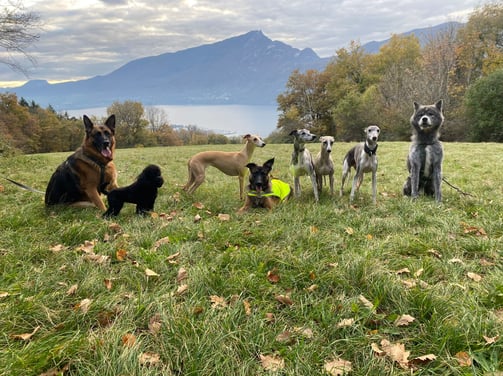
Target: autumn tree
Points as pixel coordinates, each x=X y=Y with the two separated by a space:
x=18 y=31
x=484 y=108
x=351 y=91
x=480 y=46
x=305 y=103
x=130 y=123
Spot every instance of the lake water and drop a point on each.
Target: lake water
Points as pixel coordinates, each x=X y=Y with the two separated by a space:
x=232 y=120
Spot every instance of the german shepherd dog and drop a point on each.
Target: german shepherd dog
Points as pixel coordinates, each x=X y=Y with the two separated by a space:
x=262 y=191
x=88 y=172
x=142 y=192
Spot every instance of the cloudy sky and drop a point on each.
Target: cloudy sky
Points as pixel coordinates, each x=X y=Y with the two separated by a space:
x=85 y=38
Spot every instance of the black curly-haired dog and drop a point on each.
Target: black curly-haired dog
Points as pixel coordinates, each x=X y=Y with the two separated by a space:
x=142 y=192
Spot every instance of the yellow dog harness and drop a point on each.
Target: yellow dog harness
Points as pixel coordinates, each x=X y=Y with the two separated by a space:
x=278 y=189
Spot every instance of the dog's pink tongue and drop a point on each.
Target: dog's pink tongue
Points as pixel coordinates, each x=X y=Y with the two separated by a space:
x=107 y=153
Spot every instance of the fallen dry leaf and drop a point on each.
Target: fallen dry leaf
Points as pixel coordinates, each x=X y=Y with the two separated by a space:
x=161 y=242
x=377 y=350
x=128 y=340
x=403 y=271
x=366 y=302
x=421 y=360
x=172 y=258
x=88 y=246
x=463 y=359
x=418 y=273
x=218 y=302
x=345 y=322
x=338 y=367
x=149 y=358
x=224 y=217
x=4 y=294
x=272 y=362
x=182 y=275
x=273 y=276
x=182 y=289
x=197 y=218
x=404 y=320
x=150 y=273
x=269 y=317
x=93 y=257
x=305 y=332
x=56 y=371
x=57 y=248
x=396 y=352
x=312 y=288
x=474 y=276
x=121 y=254
x=25 y=336
x=198 y=205
x=349 y=231
x=115 y=227
x=84 y=305
x=435 y=253
x=72 y=290
x=247 y=307
x=108 y=283
x=155 y=324
x=285 y=337
x=491 y=340
x=284 y=299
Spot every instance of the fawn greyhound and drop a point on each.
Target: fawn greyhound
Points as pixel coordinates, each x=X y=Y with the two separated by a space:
x=230 y=163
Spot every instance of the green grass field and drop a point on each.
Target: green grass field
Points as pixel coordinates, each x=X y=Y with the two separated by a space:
x=404 y=287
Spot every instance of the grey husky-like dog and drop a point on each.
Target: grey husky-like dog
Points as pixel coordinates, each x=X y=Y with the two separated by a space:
x=426 y=152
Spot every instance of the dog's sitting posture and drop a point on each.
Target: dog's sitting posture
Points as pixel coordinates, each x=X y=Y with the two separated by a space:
x=82 y=178
x=302 y=161
x=426 y=153
x=230 y=163
x=142 y=192
x=263 y=191
x=363 y=158
x=323 y=163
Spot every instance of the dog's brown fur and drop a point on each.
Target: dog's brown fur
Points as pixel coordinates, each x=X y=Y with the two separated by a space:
x=89 y=171
x=260 y=194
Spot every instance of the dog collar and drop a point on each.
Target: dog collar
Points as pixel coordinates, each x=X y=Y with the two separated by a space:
x=369 y=151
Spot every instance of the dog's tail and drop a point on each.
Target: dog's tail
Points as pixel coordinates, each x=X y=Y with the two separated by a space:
x=22 y=186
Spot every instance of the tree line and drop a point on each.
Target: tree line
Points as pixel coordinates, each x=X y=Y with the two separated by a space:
x=461 y=65
x=28 y=128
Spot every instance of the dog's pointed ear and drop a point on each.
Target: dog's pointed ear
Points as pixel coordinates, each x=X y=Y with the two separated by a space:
x=439 y=104
x=268 y=165
x=416 y=106
x=110 y=123
x=251 y=166
x=293 y=132
x=88 y=124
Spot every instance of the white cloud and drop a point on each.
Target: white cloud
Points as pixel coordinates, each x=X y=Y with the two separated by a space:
x=83 y=38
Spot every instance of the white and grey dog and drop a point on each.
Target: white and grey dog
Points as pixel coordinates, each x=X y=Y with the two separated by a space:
x=363 y=158
x=302 y=161
x=426 y=152
x=323 y=163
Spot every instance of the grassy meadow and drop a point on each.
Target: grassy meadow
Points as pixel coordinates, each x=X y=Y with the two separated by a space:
x=404 y=287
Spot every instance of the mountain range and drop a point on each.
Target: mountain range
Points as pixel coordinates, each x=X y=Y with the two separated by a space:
x=249 y=69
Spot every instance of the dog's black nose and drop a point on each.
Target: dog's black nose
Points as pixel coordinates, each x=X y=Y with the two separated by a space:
x=374 y=138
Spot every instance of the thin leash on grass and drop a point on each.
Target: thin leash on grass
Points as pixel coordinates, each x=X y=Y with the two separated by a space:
x=456 y=188
x=21 y=185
